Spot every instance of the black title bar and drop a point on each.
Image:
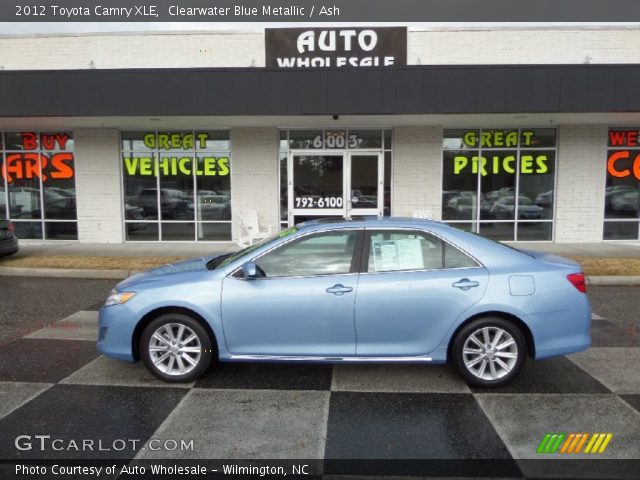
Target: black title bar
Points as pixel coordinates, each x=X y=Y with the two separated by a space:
x=320 y=11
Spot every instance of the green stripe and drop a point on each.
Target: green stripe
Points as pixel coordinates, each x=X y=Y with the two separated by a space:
x=550 y=443
x=558 y=443
x=542 y=445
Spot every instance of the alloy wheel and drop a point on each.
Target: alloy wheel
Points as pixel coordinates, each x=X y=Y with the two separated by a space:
x=490 y=353
x=175 y=349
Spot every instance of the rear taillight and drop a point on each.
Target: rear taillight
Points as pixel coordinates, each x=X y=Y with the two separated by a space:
x=11 y=227
x=577 y=280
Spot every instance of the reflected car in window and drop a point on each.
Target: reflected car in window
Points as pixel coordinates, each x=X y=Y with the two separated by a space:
x=8 y=239
x=358 y=291
x=626 y=201
x=465 y=207
x=173 y=203
x=504 y=207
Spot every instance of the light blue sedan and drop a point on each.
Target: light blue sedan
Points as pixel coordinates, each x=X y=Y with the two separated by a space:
x=385 y=290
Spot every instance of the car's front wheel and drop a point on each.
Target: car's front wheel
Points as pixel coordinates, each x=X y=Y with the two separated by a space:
x=176 y=348
x=489 y=352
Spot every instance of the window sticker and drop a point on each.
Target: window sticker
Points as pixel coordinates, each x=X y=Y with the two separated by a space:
x=405 y=254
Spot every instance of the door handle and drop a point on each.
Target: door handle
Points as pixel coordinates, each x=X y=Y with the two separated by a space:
x=465 y=284
x=339 y=289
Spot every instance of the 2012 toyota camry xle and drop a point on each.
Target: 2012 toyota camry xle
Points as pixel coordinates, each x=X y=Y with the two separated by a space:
x=361 y=290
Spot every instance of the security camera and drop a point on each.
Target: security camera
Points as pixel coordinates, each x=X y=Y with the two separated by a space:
x=336 y=117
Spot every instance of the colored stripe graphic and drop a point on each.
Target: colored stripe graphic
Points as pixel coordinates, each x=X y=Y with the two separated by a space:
x=582 y=442
x=598 y=443
x=550 y=443
x=572 y=443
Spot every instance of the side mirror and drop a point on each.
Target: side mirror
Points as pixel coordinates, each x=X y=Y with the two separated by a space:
x=249 y=270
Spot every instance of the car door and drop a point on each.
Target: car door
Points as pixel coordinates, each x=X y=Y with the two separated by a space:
x=412 y=288
x=303 y=305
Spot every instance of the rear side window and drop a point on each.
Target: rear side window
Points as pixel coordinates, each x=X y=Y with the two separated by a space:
x=454 y=258
x=392 y=251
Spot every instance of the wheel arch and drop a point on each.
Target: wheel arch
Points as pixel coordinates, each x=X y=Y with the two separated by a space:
x=153 y=314
x=522 y=326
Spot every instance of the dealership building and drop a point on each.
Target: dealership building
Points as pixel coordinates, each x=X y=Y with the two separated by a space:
x=516 y=133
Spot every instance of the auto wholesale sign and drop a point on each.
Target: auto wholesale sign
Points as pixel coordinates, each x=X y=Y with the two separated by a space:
x=306 y=48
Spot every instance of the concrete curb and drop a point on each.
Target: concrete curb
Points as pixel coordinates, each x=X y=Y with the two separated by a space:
x=613 y=280
x=64 y=273
x=595 y=280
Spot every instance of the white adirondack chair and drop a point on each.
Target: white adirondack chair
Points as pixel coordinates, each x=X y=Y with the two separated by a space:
x=426 y=214
x=250 y=228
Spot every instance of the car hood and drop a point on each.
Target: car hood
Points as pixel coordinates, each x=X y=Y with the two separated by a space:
x=167 y=273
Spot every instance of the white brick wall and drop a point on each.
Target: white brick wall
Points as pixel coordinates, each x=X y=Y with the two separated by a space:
x=417 y=170
x=454 y=46
x=580 y=183
x=524 y=46
x=98 y=185
x=254 y=175
x=132 y=51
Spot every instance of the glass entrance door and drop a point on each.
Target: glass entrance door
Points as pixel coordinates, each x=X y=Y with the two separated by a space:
x=365 y=184
x=334 y=184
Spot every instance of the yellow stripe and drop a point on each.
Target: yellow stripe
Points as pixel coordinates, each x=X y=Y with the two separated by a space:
x=596 y=445
x=567 y=442
x=606 y=442
x=594 y=437
x=584 y=439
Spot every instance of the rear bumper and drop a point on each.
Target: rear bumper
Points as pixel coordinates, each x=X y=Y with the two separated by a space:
x=562 y=332
x=8 y=246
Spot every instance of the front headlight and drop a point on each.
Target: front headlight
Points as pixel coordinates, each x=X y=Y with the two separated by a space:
x=118 y=298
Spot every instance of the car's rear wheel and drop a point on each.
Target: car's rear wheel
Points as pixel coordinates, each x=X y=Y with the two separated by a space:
x=176 y=348
x=489 y=352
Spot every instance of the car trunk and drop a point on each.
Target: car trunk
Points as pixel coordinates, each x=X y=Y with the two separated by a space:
x=550 y=258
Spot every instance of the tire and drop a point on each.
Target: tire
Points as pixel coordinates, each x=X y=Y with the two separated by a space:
x=501 y=365
x=190 y=360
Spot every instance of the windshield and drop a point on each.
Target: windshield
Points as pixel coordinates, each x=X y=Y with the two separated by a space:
x=224 y=260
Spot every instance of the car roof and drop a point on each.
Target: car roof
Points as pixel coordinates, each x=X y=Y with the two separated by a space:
x=372 y=222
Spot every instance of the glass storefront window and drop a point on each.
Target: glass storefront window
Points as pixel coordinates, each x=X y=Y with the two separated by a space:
x=38 y=184
x=500 y=182
x=622 y=193
x=177 y=185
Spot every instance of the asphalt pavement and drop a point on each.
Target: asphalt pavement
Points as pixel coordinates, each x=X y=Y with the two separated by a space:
x=53 y=381
x=28 y=304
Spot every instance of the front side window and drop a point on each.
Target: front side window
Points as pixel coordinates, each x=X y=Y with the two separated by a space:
x=622 y=193
x=38 y=191
x=397 y=251
x=321 y=254
x=500 y=182
x=177 y=185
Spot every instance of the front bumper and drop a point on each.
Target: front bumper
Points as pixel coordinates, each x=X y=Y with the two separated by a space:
x=115 y=334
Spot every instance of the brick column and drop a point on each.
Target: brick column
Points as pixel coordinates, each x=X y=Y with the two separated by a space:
x=417 y=171
x=98 y=185
x=254 y=175
x=580 y=183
